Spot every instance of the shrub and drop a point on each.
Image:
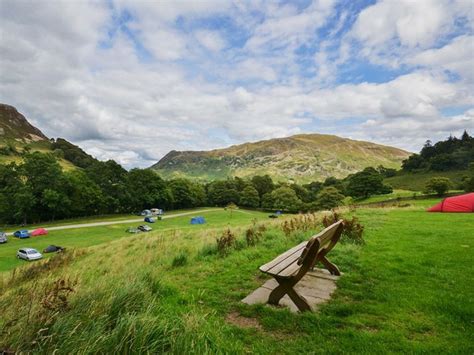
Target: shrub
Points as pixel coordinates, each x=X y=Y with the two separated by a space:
x=440 y=185
x=225 y=242
x=180 y=260
x=352 y=231
x=254 y=233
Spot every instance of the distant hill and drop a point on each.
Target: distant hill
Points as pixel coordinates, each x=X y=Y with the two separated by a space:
x=303 y=157
x=17 y=134
x=13 y=125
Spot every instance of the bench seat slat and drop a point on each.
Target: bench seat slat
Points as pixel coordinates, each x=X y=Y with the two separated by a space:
x=289 y=253
x=289 y=271
x=278 y=268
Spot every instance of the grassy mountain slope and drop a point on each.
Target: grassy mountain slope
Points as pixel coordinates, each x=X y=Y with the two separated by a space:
x=302 y=157
x=13 y=125
x=18 y=135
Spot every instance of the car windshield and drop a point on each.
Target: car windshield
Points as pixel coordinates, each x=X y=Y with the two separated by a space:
x=32 y=251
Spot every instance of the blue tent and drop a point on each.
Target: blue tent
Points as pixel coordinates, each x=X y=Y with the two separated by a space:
x=198 y=220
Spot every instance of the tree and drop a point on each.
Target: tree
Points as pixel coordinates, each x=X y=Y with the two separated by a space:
x=112 y=180
x=302 y=193
x=329 y=197
x=23 y=204
x=57 y=202
x=221 y=193
x=267 y=200
x=186 y=194
x=263 y=184
x=285 y=198
x=231 y=207
x=249 y=197
x=365 y=183
x=313 y=188
x=440 y=185
x=386 y=172
x=86 y=197
x=469 y=183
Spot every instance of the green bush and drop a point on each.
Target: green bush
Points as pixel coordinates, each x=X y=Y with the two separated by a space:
x=440 y=185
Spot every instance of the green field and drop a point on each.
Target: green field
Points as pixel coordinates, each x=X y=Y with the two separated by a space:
x=84 y=237
x=417 y=182
x=409 y=289
x=92 y=219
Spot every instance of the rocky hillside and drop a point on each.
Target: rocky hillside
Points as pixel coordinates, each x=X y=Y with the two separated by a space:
x=13 y=125
x=303 y=158
x=17 y=135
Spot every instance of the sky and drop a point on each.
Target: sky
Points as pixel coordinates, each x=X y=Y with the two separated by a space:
x=131 y=80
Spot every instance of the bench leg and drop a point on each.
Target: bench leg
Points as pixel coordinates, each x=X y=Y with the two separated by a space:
x=299 y=300
x=287 y=288
x=277 y=294
x=333 y=269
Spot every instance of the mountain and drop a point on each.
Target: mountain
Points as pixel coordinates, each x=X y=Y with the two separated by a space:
x=304 y=157
x=13 y=125
x=17 y=134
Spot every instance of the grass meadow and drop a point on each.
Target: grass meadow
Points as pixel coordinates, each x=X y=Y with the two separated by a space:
x=85 y=237
x=408 y=289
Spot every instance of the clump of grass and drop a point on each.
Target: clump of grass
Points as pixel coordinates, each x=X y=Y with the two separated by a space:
x=226 y=242
x=300 y=223
x=128 y=300
x=207 y=250
x=180 y=260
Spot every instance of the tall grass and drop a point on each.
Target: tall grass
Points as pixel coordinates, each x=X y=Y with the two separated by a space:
x=401 y=292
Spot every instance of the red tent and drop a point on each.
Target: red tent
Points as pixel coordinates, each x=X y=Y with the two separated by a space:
x=461 y=203
x=39 y=231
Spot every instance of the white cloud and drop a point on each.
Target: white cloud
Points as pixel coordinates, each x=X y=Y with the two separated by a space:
x=389 y=30
x=213 y=41
x=457 y=56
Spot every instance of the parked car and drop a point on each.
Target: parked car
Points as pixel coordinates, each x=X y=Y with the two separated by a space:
x=132 y=230
x=28 y=254
x=53 y=249
x=150 y=220
x=3 y=238
x=22 y=234
x=144 y=228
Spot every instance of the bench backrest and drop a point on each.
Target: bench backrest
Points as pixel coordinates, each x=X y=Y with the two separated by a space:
x=321 y=243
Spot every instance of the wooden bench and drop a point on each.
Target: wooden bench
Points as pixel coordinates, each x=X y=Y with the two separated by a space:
x=289 y=267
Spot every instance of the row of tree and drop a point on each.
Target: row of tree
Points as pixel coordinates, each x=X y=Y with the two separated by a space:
x=38 y=189
x=450 y=154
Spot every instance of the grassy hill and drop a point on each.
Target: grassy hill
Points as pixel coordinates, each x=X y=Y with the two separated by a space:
x=417 y=181
x=406 y=291
x=305 y=157
x=13 y=125
x=17 y=135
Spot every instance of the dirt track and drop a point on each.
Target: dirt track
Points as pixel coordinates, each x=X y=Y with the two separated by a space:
x=135 y=220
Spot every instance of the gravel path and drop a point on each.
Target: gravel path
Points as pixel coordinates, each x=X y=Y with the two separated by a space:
x=135 y=220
